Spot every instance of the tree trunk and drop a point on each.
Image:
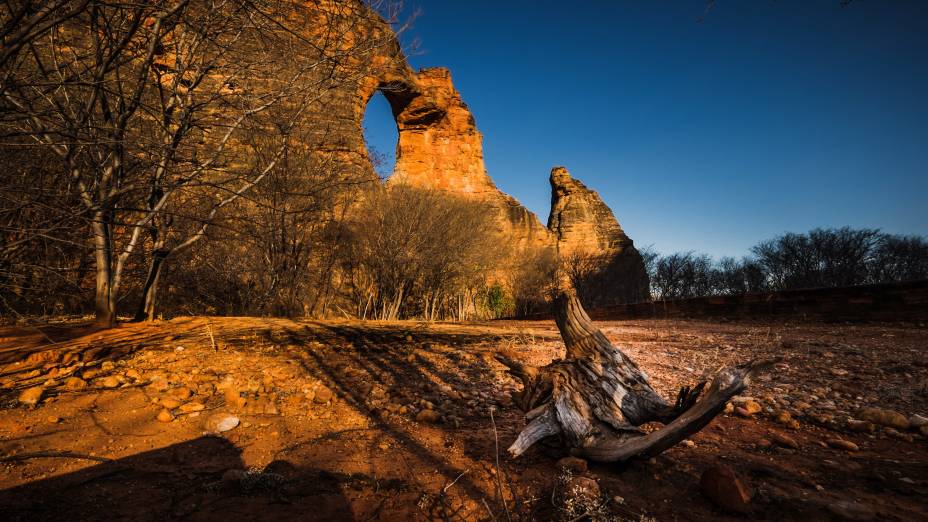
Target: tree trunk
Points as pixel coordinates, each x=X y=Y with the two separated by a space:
x=146 y=309
x=596 y=398
x=104 y=302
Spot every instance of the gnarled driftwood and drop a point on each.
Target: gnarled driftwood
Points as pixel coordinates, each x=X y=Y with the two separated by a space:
x=596 y=398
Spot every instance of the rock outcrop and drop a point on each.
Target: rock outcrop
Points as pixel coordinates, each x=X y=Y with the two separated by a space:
x=579 y=219
x=439 y=147
x=589 y=239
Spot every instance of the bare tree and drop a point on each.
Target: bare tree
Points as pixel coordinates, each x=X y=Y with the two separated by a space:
x=420 y=253
x=149 y=108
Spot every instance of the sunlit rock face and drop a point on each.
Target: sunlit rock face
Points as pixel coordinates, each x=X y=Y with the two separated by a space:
x=584 y=226
x=580 y=220
x=441 y=148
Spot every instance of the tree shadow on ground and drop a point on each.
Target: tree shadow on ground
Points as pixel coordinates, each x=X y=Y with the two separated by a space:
x=184 y=480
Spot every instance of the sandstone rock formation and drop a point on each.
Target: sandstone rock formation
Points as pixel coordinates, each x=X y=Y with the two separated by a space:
x=439 y=147
x=579 y=219
x=601 y=259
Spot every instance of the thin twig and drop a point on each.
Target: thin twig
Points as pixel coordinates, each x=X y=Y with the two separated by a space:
x=212 y=340
x=499 y=482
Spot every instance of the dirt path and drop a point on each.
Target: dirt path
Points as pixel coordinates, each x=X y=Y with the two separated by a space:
x=392 y=421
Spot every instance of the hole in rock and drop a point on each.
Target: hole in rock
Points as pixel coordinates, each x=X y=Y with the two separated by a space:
x=380 y=135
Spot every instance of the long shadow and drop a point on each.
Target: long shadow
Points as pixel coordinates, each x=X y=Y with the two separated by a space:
x=190 y=480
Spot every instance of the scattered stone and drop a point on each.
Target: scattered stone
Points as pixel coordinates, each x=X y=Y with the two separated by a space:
x=191 y=407
x=52 y=419
x=853 y=511
x=842 y=444
x=107 y=366
x=159 y=384
x=165 y=416
x=31 y=396
x=110 y=382
x=860 y=426
x=576 y=465
x=896 y=434
x=234 y=476
x=584 y=490
x=752 y=407
x=221 y=422
x=729 y=408
x=430 y=416
x=169 y=403
x=183 y=393
x=801 y=405
x=890 y=418
x=133 y=374
x=763 y=444
x=724 y=488
x=323 y=395
x=688 y=443
x=75 y=383
x=784 y=440
x=916 y=421
x=742 y=412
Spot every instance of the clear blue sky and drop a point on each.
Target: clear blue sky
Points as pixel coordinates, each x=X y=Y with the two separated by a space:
x=766 y=117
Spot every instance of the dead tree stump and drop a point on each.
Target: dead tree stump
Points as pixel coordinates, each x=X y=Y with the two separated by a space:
x=595 y=399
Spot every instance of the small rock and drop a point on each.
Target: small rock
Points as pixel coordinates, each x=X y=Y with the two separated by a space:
x=752 y=407
x=169 y=403
x=860 y=426
x=191 y=407
x=842 y=444
x=110 y=382
x=583 y=489
x=854 y=511
x=729 y=408
x=890 y=418
x=801 y=405
x=688 y=443
x=784 y=440
x=221 y=422
x=430 y=416
x=574 y=464
x=75 y=383
x=724 y=487
x=165 y=416
x=742 y=412
x=323 y=395
x=763 y=444
x=896 y=434
x=916 y=421
x=133 y=374
x=31 y=396
x=183 y=393
x=107 y=366
x=52 y=419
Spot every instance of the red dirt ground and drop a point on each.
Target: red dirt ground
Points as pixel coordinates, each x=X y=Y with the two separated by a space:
x=362 y=455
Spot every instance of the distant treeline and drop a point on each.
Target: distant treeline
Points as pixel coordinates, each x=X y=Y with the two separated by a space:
x=821 y=258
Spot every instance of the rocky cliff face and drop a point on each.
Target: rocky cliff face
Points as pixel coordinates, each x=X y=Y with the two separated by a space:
x=579 y=219
x=440 y=148
x=602 y=259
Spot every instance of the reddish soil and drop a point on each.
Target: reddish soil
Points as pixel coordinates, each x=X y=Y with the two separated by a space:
x=362 y=455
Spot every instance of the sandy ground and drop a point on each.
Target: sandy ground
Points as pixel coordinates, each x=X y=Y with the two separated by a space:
x=398 y=421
